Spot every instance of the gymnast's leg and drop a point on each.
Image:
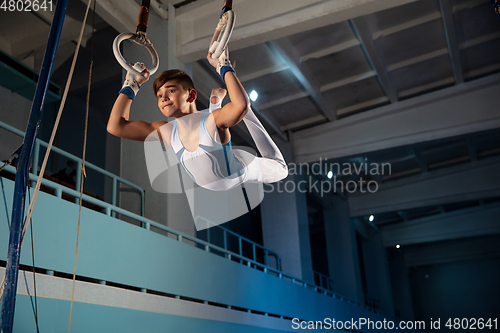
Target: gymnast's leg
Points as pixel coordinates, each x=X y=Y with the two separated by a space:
x=272 y=164
x=273 y=167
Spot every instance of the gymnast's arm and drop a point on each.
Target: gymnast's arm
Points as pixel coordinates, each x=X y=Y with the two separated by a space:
x=120 y=125
x=232 y=113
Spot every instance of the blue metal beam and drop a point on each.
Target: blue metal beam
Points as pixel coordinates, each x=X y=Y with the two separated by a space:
x=14 y=252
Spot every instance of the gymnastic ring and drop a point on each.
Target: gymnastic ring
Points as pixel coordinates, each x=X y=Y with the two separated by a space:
x=219 y=43
x=140 y=39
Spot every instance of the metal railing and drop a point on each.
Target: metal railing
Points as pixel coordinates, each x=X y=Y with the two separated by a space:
x=115 y=179
x=323 y=281
x=371 y=301
x=146 y=223
x=113 y=208
x=196 y=242
x=254 y=246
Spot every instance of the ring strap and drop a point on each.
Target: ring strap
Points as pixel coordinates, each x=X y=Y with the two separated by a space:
x=142 y=22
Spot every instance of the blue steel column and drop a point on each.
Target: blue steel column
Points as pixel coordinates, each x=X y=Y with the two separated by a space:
x=12 y=270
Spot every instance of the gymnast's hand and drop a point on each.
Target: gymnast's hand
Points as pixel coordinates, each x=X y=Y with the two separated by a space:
x=223 y=60
x=217 y=92
x=213 y=62
x=139 y=78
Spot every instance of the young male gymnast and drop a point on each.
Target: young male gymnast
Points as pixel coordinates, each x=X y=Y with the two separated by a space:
x=201 y=140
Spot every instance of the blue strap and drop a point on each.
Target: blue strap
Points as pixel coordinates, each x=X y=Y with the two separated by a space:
x=224 y=70
x=128 y=92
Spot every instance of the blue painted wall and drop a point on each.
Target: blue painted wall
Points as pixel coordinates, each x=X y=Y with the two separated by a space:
x=113 y=250
x=54 y=317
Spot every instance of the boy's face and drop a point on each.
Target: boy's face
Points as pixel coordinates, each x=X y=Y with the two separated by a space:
x=173 y=100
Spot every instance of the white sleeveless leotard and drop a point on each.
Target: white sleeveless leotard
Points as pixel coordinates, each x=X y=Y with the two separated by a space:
x=212 y=165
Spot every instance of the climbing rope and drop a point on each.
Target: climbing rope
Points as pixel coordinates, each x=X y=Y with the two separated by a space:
x=83 y=173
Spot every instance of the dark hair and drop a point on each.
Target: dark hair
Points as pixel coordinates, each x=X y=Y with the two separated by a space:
x=178 y=75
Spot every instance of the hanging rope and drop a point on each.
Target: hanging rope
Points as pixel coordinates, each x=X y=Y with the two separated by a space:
x=54 y=131
x=34 y=278
x=83 y=174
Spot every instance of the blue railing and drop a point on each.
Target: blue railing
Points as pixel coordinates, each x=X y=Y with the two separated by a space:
x=116 y=179
x=112 y=209
x=226 y=232
x=323 y=288
x=196 y=242
x=146 y=223
x=323 y=281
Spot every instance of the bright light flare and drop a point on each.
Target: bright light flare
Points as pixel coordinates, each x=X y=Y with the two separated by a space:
x=254 y=95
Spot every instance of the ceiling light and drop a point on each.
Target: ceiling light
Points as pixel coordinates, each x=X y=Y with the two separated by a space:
x=371 y=218
x=329 y=175
x=254 y=95
x=398 y=246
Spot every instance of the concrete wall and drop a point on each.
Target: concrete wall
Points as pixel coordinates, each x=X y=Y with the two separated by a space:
x=342 y=250
x=466 y=289
x=285 y=227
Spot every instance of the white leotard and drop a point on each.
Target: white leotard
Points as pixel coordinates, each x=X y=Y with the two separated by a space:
x=212 y=165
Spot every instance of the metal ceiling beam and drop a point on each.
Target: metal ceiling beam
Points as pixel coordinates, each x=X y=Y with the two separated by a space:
x=467 y=5
x=464 y=223
x=416 y=60
x=330 y=50
x=256 y=74
x=327 y=87
x=407 y=25
x=347 y=81
x=482 y=71
x=283 y=100
x=479 y=40
x=305 y=122
x=425 y=87
x=464 y=182
x=286 y=53
x=406 y=122
x=362 y=105
x=452 y=40
x=254 y=25
x=362 y=28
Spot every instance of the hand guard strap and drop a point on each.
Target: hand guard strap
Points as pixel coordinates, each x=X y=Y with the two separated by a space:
x=224 y=66
x=131 y=86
